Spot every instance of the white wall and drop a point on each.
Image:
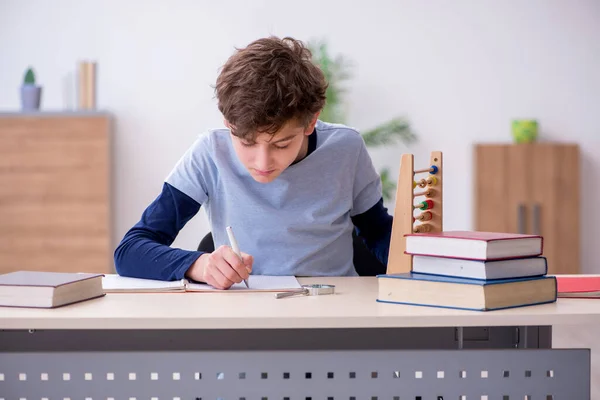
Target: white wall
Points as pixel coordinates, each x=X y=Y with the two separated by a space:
x=460 y=70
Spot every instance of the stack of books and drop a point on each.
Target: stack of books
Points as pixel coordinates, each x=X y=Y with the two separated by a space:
x=472 y=270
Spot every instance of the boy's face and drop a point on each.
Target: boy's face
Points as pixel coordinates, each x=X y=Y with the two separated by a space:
x=269 y=155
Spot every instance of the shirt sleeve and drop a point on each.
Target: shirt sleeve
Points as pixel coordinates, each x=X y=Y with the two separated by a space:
x=367 y=189
x=194 y=174
x=145 y=252
x=374 y=227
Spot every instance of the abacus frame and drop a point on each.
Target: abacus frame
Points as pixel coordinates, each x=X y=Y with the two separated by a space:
x=405 y=221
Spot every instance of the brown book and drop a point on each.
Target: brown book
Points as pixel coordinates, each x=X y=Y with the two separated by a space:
x=48 y=289
x=464 y=293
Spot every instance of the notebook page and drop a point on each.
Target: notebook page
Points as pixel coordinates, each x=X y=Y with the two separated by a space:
x=257 y=283
x=116 y=283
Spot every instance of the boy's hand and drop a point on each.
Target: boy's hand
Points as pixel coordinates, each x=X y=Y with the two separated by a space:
x=221 y=268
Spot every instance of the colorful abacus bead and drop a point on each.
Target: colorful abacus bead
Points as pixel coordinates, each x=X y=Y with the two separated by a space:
x=422 y=228
x=432 y=180
x=426 y=205
x=434 y=170
x=425 y=216
x=422 y=183
x=414 y=184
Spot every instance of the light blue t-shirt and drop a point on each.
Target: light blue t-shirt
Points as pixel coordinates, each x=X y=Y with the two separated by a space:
x=299 y=224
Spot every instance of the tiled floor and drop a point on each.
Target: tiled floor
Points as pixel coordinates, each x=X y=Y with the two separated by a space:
x=582 y=336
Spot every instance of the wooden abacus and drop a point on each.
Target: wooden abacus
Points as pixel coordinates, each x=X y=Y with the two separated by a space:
x=429 y=219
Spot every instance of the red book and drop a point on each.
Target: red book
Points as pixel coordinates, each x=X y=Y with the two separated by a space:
x=474 y=245
x=578 y=286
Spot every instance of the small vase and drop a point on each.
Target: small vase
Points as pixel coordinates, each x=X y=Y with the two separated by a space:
x=31 y=97
x=524 y=130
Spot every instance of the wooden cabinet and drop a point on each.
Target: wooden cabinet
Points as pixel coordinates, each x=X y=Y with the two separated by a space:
x=534 y=189
x=55 y=192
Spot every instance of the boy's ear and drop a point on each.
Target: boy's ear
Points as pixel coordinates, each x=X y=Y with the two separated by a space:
x=311 y=125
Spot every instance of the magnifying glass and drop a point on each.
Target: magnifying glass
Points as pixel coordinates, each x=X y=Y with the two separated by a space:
x=309 y=290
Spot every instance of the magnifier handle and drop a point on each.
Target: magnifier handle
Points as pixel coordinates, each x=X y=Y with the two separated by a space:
x=293 y=293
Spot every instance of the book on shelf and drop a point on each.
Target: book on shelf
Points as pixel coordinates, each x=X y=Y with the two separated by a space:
x=474 y=245
x=41 y=289
x=113 y=283
x=462 y=293
x=481 y=269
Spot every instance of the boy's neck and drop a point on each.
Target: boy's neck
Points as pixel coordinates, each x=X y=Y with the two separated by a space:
x=306 y=147
x=303 y=150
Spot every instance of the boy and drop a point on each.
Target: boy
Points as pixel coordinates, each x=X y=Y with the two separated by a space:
x=292 y=187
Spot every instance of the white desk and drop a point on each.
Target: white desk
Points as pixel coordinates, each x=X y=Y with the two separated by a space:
x=253 y=346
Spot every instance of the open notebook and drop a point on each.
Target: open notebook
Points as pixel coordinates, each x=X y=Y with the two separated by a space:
x=113 y=283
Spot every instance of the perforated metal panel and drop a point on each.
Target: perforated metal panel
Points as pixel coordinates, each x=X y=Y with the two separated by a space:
x=299 y=375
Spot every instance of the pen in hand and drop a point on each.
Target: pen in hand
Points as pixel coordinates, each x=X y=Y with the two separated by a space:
x=236 y=248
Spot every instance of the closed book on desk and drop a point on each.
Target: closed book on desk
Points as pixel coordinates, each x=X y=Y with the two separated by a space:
x=471 y=294
x=578 y=286
x=40 y=289
x=480 y=269
x=474 y=245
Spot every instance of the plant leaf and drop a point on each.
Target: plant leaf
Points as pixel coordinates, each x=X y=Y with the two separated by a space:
x=336 y=71
x=389 y=132
x=29 y=77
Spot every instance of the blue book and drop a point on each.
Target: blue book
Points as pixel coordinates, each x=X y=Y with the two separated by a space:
x=464 y=293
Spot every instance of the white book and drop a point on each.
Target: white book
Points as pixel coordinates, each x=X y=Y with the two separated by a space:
x=113 y=283
x=43 y=289
x=474 y=245
x=477 y=269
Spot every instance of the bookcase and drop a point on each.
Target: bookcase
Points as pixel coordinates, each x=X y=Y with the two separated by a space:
x=55 y=192
x=534 y=189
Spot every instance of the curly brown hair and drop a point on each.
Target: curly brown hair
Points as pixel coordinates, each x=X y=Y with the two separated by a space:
x=267 y=84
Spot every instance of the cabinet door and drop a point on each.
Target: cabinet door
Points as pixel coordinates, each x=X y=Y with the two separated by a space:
x=555 y=204
x=490 y=188
x=54 y=193
x=501 y=191
x=518 y=191
x=568 y=201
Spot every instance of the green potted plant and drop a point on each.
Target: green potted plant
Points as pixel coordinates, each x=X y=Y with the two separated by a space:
x=31 y=93
x=336 y=71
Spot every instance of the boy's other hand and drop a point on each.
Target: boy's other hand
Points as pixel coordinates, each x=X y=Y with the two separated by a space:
x=221 y=268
